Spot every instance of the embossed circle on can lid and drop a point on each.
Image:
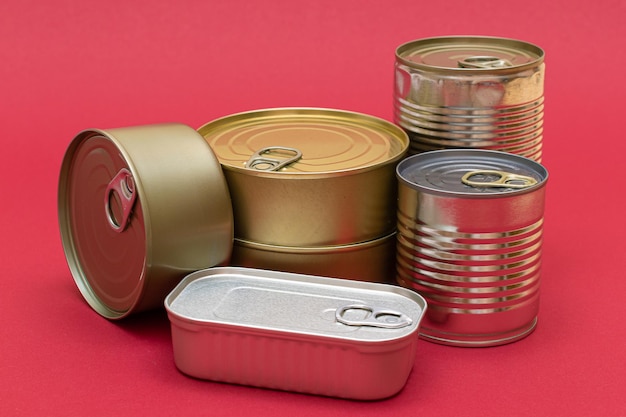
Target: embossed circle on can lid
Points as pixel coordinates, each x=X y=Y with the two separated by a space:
x=473 y=173
x=469 y=53
x=327 y=140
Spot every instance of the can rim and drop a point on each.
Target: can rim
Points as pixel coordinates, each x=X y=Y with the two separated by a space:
x=365 y=119
x=68 y=241
x=522 y=45
x=328 y=249
x=538 y=168
x=296 y=279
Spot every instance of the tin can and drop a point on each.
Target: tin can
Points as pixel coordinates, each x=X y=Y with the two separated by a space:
x=372 y=261
x=470 y=227
x=471 y=92
x=305 y=177
x=301 y=333
x=139 y=208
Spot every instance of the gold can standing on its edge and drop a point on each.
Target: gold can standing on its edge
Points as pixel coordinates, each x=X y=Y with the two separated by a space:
x=139 y=208
x=471 y=92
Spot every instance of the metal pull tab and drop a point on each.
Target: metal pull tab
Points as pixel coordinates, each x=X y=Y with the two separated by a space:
x=124 y=187
x=491 y=178
x=262 y=162
x=484 y=62
x=375 y=317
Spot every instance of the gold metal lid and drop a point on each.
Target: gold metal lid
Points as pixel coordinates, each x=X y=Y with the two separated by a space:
x=469 y=53
x=133 y=221
x=303 y=141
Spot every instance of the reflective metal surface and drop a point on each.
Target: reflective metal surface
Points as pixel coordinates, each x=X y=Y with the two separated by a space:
x=473 y=252
x=280 y=330
x=341 y=191
x=471 y=92
x=134 y=220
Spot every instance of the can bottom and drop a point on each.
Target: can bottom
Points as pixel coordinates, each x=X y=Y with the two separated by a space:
x=477 y=340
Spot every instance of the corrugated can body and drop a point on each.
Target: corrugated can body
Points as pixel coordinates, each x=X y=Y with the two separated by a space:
x=471 y=92
x=470 y=227
x=295 y=332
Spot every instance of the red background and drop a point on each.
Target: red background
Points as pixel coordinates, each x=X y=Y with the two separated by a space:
x=70 y=65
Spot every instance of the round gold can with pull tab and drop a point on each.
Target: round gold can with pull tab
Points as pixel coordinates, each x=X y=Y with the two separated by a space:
x=313 y=190
x=309 y=177
x=474 y=92
x=139 y=208
x=470 y=231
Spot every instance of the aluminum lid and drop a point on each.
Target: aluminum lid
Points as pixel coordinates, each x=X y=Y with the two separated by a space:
x=138 y=208
x=471 y=173
x=304 y=141
x=469 y=53
x=297 y=304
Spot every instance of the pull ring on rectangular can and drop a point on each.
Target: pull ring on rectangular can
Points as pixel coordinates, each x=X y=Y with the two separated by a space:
x=494 y=178
x=376 y=317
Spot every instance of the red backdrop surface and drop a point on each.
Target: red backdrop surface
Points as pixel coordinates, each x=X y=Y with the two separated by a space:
x=70 y=65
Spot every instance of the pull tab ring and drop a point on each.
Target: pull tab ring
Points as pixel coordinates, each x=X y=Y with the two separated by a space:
x=501 y=179
x=124 y=187
x=376 y=317
x=484 y=62
x=281 y=156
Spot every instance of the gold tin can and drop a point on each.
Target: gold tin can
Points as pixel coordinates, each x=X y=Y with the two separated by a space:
x=471 y=92
x=306 y=177
x=139 y=208
x=372 y=261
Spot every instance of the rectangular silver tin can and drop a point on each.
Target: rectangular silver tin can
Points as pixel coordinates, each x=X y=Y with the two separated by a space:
x=295 y=332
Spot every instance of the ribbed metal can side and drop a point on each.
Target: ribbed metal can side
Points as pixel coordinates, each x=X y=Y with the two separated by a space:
x=475 y=257
x=442 y=104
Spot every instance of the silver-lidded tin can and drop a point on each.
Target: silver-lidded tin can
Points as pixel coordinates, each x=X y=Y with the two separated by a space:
x=470 y=227
x=139 y=208
x=295 y=332
x=471 y=92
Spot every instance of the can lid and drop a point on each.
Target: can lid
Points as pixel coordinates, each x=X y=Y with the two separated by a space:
x=107 y=246
x=471 y=173
x=296 y=304
x=469 y=53
x=119 y=207
x=304 y=141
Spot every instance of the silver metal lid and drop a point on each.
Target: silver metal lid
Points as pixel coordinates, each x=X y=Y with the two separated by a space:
x=297 y=304
x=471 y=173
